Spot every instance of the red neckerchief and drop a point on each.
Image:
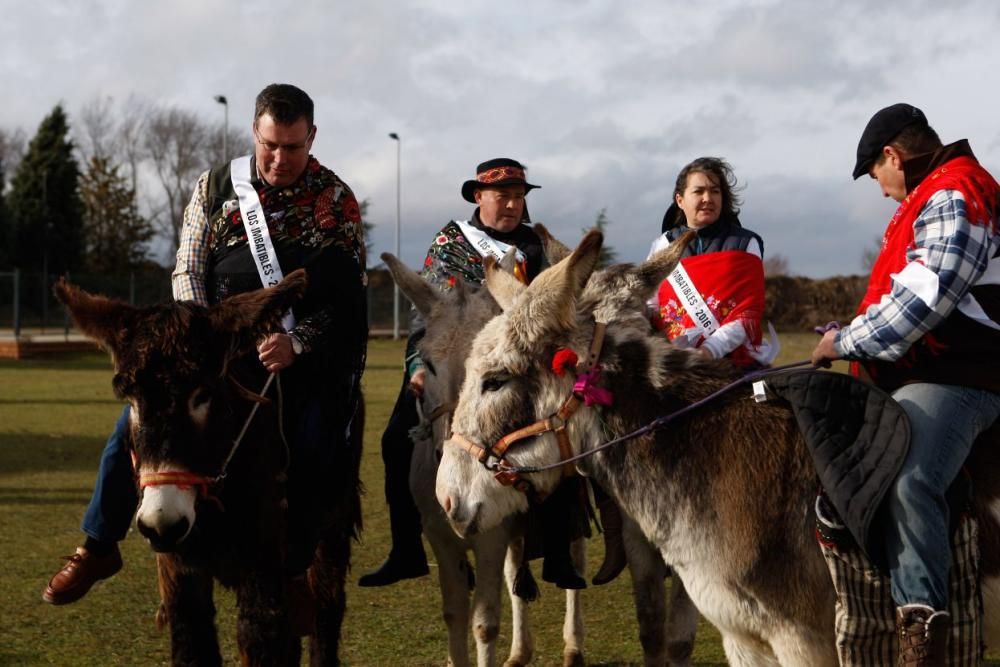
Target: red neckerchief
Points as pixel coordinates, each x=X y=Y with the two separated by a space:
x=732 y=284
x=964 y=174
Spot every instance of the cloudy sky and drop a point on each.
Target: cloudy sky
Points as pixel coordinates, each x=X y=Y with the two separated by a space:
x=604 y=101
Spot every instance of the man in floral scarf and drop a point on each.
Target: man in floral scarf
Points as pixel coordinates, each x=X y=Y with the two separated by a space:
x=499 y=222
x=928 y=330
x=306 y=217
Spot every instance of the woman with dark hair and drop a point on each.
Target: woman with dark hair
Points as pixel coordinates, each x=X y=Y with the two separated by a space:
x=714 y=300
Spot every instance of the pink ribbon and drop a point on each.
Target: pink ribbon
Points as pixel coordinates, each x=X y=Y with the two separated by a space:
x=587 y=387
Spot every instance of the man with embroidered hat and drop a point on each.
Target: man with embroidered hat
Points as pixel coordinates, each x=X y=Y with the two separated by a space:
x=499 y=222
x=927 y=330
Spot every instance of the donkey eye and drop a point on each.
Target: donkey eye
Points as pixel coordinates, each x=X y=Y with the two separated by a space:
x=494 y=382
x=199 y=397
x=430 y=367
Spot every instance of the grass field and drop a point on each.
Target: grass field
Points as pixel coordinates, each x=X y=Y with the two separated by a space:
x=54 y=418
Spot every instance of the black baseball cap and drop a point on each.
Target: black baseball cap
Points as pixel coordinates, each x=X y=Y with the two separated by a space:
x=881 y=130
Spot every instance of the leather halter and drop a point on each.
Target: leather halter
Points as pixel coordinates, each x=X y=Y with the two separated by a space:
x=555 y=423
x=184 y=479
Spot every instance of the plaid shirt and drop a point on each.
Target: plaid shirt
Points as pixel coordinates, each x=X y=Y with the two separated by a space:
x=188 y=280
x=949 y=246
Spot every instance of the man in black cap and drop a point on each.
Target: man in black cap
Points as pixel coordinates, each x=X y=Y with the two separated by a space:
x=927 y=330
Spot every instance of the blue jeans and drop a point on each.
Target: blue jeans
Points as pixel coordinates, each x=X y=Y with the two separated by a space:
x=115 y=500
x=944 y=422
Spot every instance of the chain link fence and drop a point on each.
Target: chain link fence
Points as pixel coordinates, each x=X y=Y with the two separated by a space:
x=28 y=306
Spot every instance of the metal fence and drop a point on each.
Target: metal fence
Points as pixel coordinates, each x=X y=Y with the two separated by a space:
x=28 y=305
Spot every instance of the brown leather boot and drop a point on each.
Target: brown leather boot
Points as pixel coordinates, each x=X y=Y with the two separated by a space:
x=614 y=548
x=923 y=636
x=83 y=570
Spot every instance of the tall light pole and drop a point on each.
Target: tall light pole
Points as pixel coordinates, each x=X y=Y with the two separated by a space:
x=221 y=99
x=395 y=290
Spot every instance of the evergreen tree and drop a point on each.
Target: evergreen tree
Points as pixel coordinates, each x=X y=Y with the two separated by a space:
x=5 y=235
x=115 y=235
x=367 y=226
x=44 y=204
x=608 y=254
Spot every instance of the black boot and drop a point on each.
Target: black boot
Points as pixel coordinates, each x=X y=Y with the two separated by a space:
x=558 y=569
x=614 y=548
x=396 y=568
x=407 y=559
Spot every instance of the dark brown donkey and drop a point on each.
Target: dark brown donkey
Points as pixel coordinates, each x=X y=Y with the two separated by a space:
x=214 y=504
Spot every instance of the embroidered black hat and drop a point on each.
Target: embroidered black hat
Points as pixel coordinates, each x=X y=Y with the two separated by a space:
x=881 y=130
x=494 y=173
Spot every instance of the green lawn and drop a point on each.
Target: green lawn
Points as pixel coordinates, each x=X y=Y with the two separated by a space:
x=54 y=417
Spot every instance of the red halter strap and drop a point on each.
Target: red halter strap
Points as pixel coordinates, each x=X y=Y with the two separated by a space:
x=178 y=478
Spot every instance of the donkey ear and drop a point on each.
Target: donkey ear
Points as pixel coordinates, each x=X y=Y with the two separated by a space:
x=105 y=320
x=501 y=283
x=625 y=289
x=655 y=270
x=555 y=250
x=259 y=312
x=417 y=290
x=549 y=305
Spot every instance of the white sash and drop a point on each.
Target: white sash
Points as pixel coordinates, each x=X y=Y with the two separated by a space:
x=258 y=236
x=485 y=244
x=688 y=294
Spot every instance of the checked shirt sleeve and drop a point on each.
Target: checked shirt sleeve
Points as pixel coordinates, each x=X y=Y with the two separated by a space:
x=188 y=280
x=949 y=256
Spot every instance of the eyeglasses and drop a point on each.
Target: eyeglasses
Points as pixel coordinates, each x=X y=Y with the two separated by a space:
x=272 y=147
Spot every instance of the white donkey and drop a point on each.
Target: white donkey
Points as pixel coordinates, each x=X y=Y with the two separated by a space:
x=452 y=320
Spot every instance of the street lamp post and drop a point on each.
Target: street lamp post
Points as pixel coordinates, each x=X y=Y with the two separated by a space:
x=221 y=99
x=395 y=291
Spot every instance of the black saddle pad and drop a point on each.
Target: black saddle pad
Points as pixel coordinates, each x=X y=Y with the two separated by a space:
x=858 y=437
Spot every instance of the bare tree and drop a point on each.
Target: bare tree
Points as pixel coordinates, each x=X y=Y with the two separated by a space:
x=180 y=147
x=131 y=148
x=870 y=254
x=95 y=131
x=776 y=265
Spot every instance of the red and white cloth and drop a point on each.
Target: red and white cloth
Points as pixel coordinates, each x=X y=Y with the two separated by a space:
x=716 y=300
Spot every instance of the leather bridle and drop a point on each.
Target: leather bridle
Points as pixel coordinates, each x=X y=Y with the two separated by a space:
x=204 y=483
x=554 y=423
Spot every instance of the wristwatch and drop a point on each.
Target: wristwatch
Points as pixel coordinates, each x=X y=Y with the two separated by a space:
x=297 y=346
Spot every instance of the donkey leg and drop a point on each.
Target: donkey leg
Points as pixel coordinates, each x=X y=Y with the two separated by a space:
x=746 y=652
x=804 y=648
x=186 y=600
x=327 y=578
x=453 y=577
x=522 y=644
x=573 y=621
x=650 y=596
x=262 y=631
x=490 y=550
x=682 y=624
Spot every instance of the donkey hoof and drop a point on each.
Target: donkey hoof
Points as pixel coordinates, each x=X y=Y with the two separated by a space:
x=517 y=661
x=573 y=659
